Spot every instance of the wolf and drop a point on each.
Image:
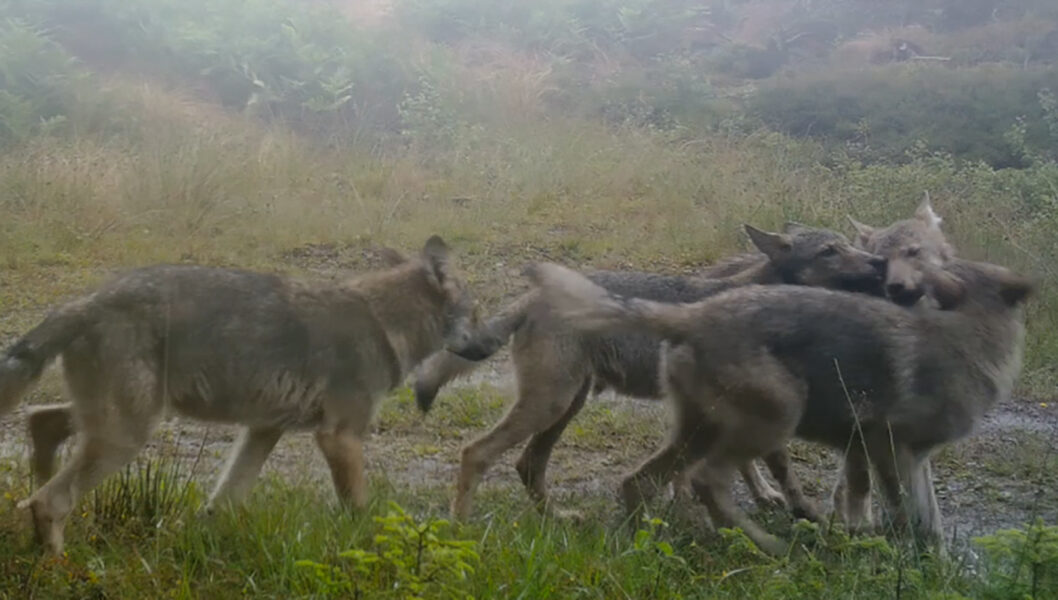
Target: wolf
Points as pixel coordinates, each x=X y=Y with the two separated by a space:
x=751 y=368
x=911 y=247
x=556 y=366
x=267 y=352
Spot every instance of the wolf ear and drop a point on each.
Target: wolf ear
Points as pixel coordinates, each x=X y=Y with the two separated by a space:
x=438 y=258
x=926 y=214
x=391 y=257
x=863 y=232
x=1014 y=288
x=772 y=245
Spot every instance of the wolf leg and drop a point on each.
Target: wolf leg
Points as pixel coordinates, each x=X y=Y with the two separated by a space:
x=48 y=427
x=545 y=394
x=779 y=464
x=244 y=464
x=646 y=481
x=532 y=464
x=852 y=494
x=763 y=493
x=713 y=484
x=344 y=451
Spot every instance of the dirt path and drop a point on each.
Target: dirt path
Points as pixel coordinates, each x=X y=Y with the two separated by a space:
x=1001 y=477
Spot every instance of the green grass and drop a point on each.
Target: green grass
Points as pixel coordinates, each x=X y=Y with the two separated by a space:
x=496 y=146
x=289 y=542
x=255 y=550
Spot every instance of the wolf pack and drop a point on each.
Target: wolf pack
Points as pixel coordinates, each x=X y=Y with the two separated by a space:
x=885 y=348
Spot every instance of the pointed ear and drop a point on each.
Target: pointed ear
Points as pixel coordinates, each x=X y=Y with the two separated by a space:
x=391 y=257
x=773 y=245
x=438 y=258
x=793 y=228
x=863 y=232
x=1014 y=288
x=926 y=214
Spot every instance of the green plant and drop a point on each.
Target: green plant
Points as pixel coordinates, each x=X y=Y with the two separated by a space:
x=148 y=491
x=1021 y=563
x=38 y=81
x=408 y=560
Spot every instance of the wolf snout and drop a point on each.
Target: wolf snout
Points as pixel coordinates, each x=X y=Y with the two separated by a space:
x=903 y=295
x=478 y=349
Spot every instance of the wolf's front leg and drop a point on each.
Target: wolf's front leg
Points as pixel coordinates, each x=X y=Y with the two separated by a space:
x=344 y=450
x=244 y=464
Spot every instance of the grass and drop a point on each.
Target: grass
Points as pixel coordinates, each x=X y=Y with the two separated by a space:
x=142 y=169
x=268 y=549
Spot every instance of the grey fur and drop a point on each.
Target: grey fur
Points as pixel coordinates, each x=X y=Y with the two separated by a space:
x=751 y=368
x=267 y=352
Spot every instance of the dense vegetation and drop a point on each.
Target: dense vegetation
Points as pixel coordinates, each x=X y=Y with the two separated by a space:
x=606 y=132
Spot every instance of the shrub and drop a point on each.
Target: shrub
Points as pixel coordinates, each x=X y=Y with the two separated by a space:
x=884 y=112
x=37 y=81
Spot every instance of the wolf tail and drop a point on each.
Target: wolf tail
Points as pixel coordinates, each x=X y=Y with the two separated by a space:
x=22 y=363
x=590 y=307
x=443 y=367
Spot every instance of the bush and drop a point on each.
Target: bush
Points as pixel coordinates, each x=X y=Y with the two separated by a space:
x=37 y=81
x=303 y=63
x=884 y=112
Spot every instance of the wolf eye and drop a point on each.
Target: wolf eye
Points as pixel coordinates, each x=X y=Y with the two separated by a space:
x=913 y=251
x=828 y=251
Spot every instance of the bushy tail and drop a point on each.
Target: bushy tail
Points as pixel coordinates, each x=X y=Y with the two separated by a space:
x=590 y=307
x=444 y=366
x=22 y=363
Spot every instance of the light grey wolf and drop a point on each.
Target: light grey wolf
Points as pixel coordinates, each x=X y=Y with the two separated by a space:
x=267 y=352
x=911 y=247
x=556 y=366
x=750 y=368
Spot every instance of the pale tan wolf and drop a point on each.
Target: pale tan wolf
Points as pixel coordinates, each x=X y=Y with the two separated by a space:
x=749 y=369
x=556 y=366
x=911 y=247
x=267 y=352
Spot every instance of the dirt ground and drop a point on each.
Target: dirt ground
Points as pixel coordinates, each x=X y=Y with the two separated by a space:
x=1002 y=477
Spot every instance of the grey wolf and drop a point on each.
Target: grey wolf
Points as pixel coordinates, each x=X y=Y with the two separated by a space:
x=749 y=369
x=911 y=247
x=267 y=352
x=556 y=366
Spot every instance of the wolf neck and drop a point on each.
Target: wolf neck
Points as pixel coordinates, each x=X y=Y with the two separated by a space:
x=762 y=273
x=412 y=320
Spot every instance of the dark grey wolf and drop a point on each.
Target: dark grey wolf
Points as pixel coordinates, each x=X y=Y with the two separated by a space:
x=911 y=247
x=749 y=369
x=267 y=352
x=556 y=366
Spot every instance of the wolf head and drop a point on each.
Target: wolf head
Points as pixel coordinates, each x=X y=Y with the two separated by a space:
x=460 y=322
x=911 y=246
x=820 y=258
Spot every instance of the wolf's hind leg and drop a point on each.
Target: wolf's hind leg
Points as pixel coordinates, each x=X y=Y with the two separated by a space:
x=545 y=393
x=763 y=493
x=779 y=464
x=532 y=464
x=713 y=486
x=244 y=464
x=48 y=426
